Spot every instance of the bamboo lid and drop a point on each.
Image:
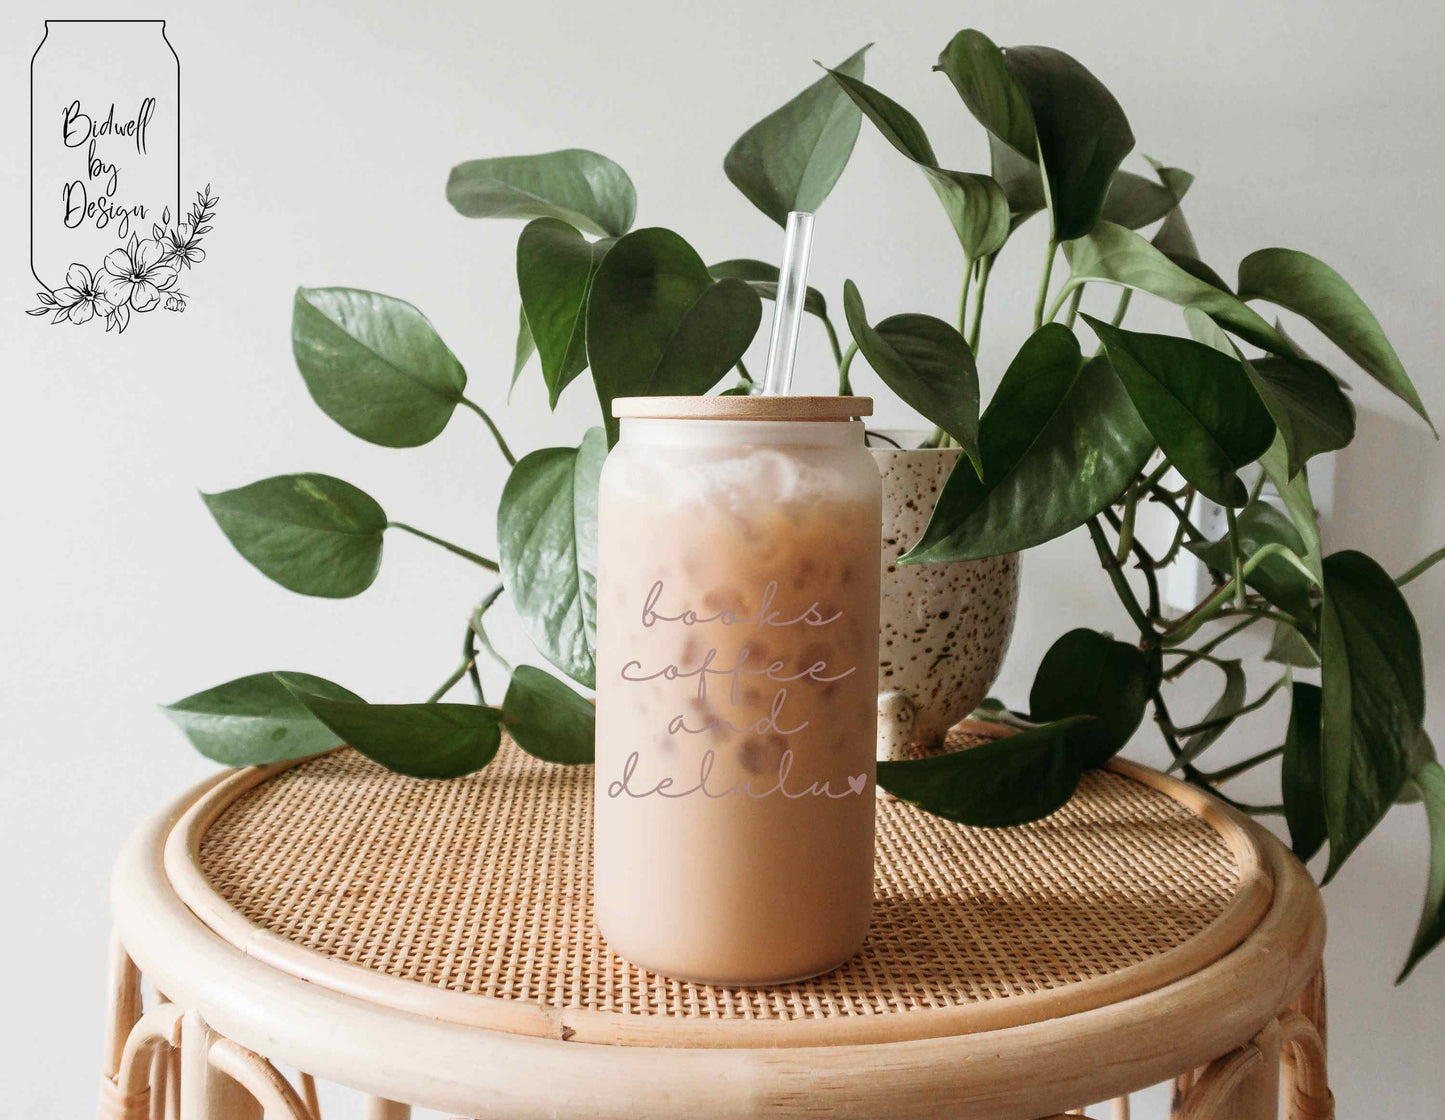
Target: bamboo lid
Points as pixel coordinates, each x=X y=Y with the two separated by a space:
x=743 y=408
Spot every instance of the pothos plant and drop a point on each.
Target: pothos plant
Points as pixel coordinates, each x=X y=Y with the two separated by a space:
x=1070 y=440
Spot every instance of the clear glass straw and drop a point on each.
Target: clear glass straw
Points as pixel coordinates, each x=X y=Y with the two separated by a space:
x=788 y=305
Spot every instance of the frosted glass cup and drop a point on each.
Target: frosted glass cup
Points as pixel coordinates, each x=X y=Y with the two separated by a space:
x=737 y=654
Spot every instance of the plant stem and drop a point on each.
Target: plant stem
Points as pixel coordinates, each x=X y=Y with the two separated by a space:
x=1193 y=656
x=1236 y=560
x=1225 y=720
x=744 y=374
x=1195 y=776
x=1422 y=567
x=985 y=270
x=1153 y=477
x=845 y=387
x=496 y=433
x=1238 y=768
x=481 y=632
x=1126 y=527
x=482 y=561
x=1043 y=293
x=1160 y=495
x=1121 y=582
x=832 y=342
x=1258 y=613
x=458 y=674
x=963 y=297
x=1145 y=562
x=1074 y=306
x=1178 y=542
x=1206 y=610
x=1122 y=308
x=469 y=648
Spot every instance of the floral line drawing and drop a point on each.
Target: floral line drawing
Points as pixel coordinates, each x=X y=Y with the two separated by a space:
x=135 y=276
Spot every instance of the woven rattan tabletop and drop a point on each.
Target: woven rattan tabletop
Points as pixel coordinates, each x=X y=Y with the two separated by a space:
x=470 y=901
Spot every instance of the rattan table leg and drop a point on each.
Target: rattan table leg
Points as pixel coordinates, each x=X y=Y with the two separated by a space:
x=1311 y=1004
x=160 y=1082
x=173 y=1084
x=379 y=1109
x=1180 y=1092
x=1307 y=1085
x=208 y=1093
x=123 y=1011
x=1242 y=1085
x=308 y=1095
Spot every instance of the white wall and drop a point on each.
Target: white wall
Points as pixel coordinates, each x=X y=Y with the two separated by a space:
x=328 y=131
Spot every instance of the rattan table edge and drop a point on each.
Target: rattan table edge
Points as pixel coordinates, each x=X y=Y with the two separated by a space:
x=1244 y=911
x=1030 y=1070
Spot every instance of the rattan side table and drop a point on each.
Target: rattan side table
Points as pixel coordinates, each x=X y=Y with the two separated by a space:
x=432 y=943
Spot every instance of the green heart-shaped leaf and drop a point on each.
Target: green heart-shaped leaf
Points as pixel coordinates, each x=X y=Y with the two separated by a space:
x=1231 y=699
x=375 y=365
x=1045 y=106
x=547 y=534
x=254 y=720
x=658 y=324
x=1294 y=491
x=1085 y=673
x=1174 y=238
x=898 y=126
x=1176 y=241
x=526 y=347
x=763 y=279
x=1298 y=351
x=311 y=533
x=1135 y=201
x=1422 y=755
x=1116 y=255
x=1311 y=288
x=581 y=188
x=1309 y=407
x=1430 y=779
x=418 y=740
x=1083 y=134
x=1304 y=399
x=1006 y=782
x=1374 y=698
x=976 y=205
x=1198 y=402
x=927 y=363
x=979 y=73
x=1020 y=179
x=1287 y=646
x=791 y=159
x=547 y=719
x=1279 y=581
x=555 y=266
x=1300 y=773
x=1059 y=442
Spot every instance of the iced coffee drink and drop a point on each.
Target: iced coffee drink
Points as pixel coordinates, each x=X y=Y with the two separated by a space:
x=737 y=660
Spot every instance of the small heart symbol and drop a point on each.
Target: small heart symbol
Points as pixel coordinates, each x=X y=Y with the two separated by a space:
x=858 y=783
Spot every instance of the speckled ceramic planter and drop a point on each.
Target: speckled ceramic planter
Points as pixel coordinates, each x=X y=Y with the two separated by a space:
x=944 y=627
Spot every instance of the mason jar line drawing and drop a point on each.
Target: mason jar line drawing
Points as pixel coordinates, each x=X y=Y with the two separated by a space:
x=105 y=135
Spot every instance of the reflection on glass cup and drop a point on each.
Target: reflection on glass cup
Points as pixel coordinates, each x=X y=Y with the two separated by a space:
x=737 y=625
